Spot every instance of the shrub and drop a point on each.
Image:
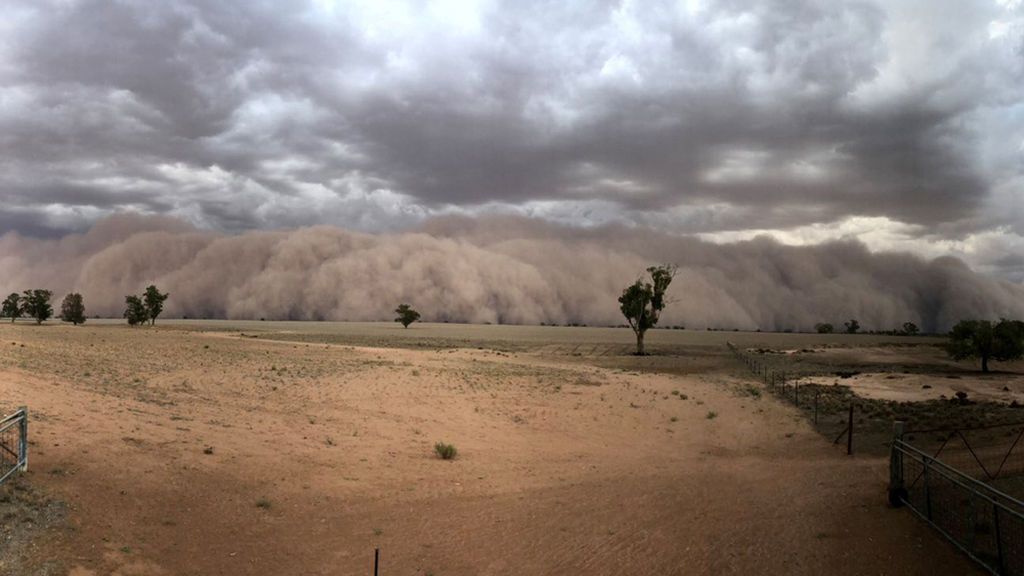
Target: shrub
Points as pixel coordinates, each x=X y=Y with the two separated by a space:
x=445 y=451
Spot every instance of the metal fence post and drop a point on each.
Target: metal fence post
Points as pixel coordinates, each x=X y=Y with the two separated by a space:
x=897 y=491
x=23 y=444
x=999 y=538
x=816 y=393
x=927 y=488
x=376 y=560
x=849 y=433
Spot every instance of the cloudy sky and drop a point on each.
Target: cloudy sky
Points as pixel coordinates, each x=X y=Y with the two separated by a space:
x=896 y=122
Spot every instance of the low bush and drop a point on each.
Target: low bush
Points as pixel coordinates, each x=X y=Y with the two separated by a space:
x=445 y=451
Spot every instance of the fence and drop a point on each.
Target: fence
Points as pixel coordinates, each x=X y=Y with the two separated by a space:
x=993 y=454
x=981 y=520
x=13 y=443
x=803 y=396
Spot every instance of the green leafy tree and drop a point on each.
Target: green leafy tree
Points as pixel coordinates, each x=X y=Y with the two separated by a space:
x=135 y=310
x=406 y=315
x=986 y=341
x=153 y=300
x=72 y=309
x=824 y=328
x=12 y=307
x=642 y=302
x=852 y=327
x=910 y=329
x=36 y=304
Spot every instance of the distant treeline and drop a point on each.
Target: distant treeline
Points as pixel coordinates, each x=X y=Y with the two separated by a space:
x=35 y=304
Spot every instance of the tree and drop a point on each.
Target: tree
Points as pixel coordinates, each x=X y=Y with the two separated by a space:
x=910 y=329
x=36 y=304
x=12 y=306
x=824 y=328
x=135 y=310
x=852 y=326
x=981 y=339
x=72 y=309
x=406 y=315
x=642 y=302
x=154 y=303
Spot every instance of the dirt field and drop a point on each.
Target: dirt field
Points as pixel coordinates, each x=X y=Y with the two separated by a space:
x=297 y=448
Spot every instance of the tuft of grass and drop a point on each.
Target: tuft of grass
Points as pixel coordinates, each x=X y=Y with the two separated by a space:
x=674 y=419
x=445 y=451
x=263 y=504
x=712 y=415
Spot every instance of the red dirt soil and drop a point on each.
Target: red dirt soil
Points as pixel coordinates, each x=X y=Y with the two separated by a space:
x=322 y=453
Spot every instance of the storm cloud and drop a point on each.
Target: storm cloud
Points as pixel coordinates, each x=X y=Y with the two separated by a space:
x=691 y=117
x=499 y=270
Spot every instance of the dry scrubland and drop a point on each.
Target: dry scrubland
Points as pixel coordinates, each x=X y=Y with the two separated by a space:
x=296 y=448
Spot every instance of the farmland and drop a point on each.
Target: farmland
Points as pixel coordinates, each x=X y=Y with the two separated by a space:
x=229 y=447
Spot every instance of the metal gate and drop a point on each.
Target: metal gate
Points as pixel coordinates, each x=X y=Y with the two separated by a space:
x=13 y=443
x=979 y=519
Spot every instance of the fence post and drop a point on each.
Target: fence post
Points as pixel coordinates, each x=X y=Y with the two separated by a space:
x=927 y=488
x=376 y=560
x=23 y=445
x=816 y=393
x=796 y=394
x=999 y=538
x=849 y=432
x=897 y=491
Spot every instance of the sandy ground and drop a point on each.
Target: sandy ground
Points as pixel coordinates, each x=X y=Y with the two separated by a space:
x=898 y=375
x=194 y=452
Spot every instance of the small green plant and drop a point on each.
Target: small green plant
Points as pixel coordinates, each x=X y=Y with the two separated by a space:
x=263 y=504
x=674 y=419
x=445 y=451
x=712 y=415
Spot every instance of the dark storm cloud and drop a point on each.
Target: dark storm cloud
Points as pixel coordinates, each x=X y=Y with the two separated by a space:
x=239 y=115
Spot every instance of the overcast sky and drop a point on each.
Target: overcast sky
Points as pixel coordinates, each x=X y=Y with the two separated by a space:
x=899 y=123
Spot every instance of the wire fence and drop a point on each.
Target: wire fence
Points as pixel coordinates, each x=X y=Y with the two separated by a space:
x=13 y=443
x=983 y=521
x=830 y=409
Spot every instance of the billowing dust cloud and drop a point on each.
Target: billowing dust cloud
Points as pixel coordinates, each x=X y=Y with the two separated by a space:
x=498 y=270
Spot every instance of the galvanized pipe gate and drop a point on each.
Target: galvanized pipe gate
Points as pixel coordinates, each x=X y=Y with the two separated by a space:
x=984 y=522
x=13 y=443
